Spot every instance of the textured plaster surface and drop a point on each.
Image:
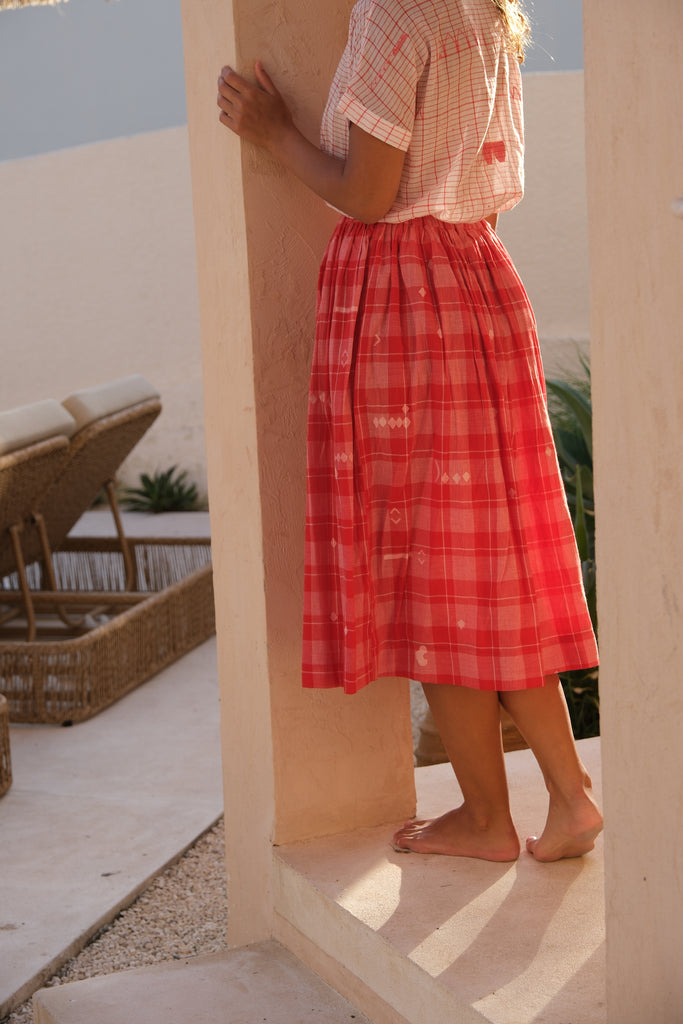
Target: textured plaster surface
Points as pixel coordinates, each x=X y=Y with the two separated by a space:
x=232 y=467
x=635 y=172
x=325 y=746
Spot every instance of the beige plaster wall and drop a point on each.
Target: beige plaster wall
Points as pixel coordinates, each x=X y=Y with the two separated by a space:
x=98 y=281
x=634 y=78
x=547 y=233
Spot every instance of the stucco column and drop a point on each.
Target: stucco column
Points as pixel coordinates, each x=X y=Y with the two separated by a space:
x=634 y=97
x=296 y=764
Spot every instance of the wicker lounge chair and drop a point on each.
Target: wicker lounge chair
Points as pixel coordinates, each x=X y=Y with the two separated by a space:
x=34 y=446
x=110 y=420
x=107 y=422
x=138 y=604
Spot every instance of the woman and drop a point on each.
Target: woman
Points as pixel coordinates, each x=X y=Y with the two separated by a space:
x=439 y=545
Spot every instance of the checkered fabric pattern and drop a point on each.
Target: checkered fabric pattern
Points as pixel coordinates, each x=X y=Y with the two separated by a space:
x=439 y=545
x=434 y=78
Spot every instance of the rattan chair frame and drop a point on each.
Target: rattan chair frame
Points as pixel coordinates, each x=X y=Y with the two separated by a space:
x=92 y=458
x=5 y=756
x=95 y=456
x=24 y=475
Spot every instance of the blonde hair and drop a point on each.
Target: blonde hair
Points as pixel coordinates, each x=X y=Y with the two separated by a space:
x=516 y=25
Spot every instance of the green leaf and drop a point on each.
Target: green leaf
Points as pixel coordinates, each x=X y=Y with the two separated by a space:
x=162 y=493
x=586 y=475
x=580 y=520
x=588 y=574
x=571 y=449
x=579 y=406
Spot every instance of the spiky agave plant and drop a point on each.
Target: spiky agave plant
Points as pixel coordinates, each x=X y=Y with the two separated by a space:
x=161 y=492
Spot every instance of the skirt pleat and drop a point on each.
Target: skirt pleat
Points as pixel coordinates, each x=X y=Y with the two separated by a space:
x=439 y=544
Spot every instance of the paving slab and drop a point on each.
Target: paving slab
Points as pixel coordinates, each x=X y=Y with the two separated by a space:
x=259 y=984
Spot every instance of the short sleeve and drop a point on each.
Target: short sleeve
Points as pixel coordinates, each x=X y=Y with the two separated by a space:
x=384 y=72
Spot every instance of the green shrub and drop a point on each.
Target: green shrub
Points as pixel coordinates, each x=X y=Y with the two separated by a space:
x=162 y=492
x=571 y=415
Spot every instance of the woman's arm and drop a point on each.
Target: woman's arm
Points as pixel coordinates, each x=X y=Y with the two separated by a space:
x=364 y=186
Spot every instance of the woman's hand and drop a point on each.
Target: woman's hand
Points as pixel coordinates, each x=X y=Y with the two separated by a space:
x=256 y=113
x=363 y=186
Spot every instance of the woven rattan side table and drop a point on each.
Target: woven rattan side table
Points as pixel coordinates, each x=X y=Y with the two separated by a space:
x=5 y=761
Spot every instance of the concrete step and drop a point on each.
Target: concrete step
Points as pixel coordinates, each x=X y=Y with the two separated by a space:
x=259 y=984
x=451 y=940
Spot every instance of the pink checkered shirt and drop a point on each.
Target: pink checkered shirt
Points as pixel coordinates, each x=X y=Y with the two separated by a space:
x=434 y=78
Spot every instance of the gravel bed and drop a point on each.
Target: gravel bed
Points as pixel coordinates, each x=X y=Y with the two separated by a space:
x=183 y=913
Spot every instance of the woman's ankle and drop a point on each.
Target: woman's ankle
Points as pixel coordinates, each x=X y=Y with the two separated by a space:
x=487 y=818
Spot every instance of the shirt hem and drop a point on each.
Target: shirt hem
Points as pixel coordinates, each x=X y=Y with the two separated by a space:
x=392 y=134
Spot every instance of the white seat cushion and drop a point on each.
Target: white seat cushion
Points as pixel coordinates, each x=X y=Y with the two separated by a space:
x=92 y=404
x=28 y=424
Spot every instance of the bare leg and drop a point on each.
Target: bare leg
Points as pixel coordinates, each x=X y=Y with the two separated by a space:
x=574 y=819
x=469 y=723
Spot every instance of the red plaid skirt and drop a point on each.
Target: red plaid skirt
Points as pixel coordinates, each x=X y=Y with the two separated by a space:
x=439 y=545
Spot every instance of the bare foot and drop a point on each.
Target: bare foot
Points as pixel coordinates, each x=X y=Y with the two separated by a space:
x=456 y=835
x=570 y=830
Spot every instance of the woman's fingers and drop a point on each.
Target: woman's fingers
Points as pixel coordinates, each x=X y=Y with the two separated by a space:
x=231 y=88
x=229 y=79
x=264 y=79
x=257 y=112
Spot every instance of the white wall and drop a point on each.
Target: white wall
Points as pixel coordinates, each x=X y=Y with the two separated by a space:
x=547 y=233
x=98 y=281
x=98 y=266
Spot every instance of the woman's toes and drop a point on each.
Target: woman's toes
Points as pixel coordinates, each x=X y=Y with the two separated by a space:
x=405 y=834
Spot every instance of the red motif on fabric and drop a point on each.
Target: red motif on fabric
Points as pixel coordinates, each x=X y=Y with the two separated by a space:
x=494 y=151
